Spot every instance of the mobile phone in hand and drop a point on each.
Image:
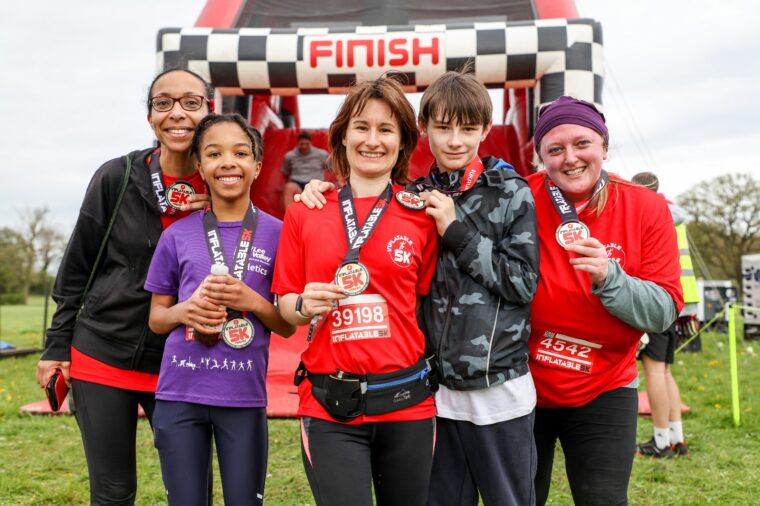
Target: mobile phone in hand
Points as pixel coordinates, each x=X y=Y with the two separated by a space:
x=56 y=390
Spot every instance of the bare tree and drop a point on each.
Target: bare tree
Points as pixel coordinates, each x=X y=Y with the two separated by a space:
x=41 y=244
x=11 y=257
x=725 y=213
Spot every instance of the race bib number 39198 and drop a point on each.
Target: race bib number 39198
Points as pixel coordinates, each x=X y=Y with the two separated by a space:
x=565 y=352
x=360 y=317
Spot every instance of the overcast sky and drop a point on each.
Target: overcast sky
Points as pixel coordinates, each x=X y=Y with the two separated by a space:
x=682 y=91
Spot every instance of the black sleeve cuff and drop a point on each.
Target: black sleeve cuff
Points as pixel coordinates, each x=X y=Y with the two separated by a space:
x=57 y=349
x=455 y=237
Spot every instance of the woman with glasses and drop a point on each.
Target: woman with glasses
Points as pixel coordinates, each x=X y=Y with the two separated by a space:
x=99 y=338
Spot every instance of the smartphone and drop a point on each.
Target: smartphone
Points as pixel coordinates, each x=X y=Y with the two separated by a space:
x=56 y=390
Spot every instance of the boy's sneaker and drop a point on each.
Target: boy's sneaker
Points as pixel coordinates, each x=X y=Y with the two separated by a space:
x=681 y=449
x=649 y=449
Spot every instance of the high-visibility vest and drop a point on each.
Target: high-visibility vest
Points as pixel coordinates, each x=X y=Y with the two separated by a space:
x=688 y=280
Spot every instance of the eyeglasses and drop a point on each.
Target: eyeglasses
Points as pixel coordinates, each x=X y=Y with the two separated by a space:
x=188 y=102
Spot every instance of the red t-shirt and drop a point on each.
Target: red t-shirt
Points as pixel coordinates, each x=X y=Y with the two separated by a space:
x=578 y=350
x=86 y=368
x=171 y=215
x=376 y=331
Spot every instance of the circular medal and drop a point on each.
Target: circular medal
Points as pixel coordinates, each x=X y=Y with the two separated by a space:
x=570 y=232
x=177 y=194
x=410 y=200
x=352 y=278
x=237 y=333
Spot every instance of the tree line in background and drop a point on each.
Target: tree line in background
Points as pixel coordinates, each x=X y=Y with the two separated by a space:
x=28 y=251
x=724 y=225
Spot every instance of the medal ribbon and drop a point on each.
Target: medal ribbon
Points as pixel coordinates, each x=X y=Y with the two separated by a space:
x=242 y=250
x=565 y=208
x=447 y=182
x=157 y=180
x=356 y=238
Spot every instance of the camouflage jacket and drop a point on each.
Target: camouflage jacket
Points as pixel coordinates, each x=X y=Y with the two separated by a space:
x=477 y=317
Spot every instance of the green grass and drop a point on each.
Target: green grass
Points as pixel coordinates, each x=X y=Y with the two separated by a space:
x=43 y=463
x=22 y=325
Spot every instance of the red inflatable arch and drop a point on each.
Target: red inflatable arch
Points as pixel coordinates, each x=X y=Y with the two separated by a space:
x=260 y=55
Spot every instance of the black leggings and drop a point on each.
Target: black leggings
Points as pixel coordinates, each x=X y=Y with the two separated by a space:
x=599 y=441
x=343 y=461
x=183 y=434
x=107 y=419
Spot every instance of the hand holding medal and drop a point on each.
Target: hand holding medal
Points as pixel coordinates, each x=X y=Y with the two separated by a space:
x=320 y=298
x=196 y=202
x=440 y=207
x=592 y=258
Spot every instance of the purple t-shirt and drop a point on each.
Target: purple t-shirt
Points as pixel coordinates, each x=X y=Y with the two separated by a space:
x=217 y=375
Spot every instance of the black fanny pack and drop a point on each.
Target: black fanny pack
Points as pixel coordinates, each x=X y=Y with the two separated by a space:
x=346 y=396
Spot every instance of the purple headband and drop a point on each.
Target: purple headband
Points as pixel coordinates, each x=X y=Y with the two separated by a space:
x=569 y=110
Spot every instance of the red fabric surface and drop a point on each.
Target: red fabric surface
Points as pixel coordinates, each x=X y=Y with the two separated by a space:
x=266 y=192
x=646 y=410
x=284 y=355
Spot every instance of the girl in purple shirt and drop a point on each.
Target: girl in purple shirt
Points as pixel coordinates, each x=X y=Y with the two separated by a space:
x=214 y=381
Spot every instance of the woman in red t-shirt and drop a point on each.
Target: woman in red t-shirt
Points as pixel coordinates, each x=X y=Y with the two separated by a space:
x=609 y=272
x=100 y=340
x=353 y=271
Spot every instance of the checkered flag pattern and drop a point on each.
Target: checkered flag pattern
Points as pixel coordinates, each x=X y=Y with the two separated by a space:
x=554 y=57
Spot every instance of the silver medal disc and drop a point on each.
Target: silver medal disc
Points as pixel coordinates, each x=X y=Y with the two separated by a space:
x=352 y=278
x=237 y=333
x=570 y=232
x=410 y=200
x=177 y=194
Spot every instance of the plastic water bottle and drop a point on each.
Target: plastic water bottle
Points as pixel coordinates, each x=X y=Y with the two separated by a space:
x=217 y=270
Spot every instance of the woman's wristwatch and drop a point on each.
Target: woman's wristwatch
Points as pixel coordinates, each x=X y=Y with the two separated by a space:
x=299 y=306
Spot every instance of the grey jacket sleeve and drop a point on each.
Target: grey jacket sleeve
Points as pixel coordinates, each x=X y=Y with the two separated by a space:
x=506 y=265
x=641 y=304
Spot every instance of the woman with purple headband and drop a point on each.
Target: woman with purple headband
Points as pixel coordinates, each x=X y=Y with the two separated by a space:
x=609 y=272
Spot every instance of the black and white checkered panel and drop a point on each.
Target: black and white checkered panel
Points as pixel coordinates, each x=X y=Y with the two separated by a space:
x=554 y=57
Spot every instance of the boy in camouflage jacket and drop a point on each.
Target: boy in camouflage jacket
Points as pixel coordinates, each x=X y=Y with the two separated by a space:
x=477 y=315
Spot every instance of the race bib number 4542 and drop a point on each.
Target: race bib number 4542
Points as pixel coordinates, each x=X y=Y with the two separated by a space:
x=360 y=317
x=565 y=352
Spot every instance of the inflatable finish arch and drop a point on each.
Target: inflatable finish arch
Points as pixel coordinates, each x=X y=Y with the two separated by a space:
x=554 y=57
x=537 y=60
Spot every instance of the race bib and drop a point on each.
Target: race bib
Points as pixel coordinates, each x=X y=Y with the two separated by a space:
x=360 y=317
x=565 y=352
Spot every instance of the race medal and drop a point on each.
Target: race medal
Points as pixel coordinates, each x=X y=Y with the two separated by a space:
x=352 y=278
x=410 y=200
x=570 y=232
x=237 y=333
x=177 y=194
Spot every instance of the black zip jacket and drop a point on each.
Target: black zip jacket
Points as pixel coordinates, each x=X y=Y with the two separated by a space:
x=113 y=323
x=476 y=318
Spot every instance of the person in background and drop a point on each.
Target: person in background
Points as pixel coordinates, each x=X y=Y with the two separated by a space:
x=354 y=271
x=213 y=382
x=609 y=271
x=102 y=344
x=658 y=355
x=300 y=165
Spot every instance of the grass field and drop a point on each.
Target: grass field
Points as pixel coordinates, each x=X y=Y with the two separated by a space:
x=43 y=463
